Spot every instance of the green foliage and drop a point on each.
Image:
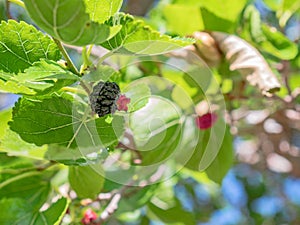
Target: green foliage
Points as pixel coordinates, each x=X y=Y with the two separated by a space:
x=156 y=134
x=268 y=38
x=139 y=94
x=278 y=44
x=100 y=11
x=202 y=15
x=19 y=212
x=179 y=26
x=13 y=144
x=52 y=143
x=54 y=214
x=44 y=121
x=52 y=121
x=224 y=160
x=75 y=27
x=42 y=77
x=136 y=37
x=23 y=191
x=6 y=116
x=21 y=45
x=86 y=181
x=165 y=205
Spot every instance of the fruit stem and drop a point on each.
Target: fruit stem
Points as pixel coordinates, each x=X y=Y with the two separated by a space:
x=73 y=90
x=86 y=58
x=66 y=56
x=104 y=57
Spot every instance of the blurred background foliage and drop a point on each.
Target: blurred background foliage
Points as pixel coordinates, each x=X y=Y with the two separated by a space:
x=263 y=185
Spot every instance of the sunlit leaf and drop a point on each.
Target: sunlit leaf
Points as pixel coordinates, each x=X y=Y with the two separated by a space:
x=136 y=37
x=139 y=94
x=74 y=27
x=100 y=10
x=278 y=44
x=156 y=132
x=22 y=44
x=223 y=162
x=86 y=181
x=53 y=121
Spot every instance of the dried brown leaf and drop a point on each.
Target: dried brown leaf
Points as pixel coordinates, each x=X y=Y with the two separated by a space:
x=248 y=61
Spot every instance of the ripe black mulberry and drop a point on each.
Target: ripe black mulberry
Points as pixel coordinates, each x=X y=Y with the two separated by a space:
x=103 y=98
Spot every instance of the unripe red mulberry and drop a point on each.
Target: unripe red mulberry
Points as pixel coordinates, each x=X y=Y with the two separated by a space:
x=89 y=216
x=206 y=121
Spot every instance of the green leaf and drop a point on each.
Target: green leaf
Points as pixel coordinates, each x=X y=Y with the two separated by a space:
x=273 y=4
x=224 y=160
x=42 y=77
x=213 y=22
x=277 y=44
x=9 y=162
x=156 y=130
x=68 y=21
x=4 y=76
x=43 y=121
x=208 y=144
x=139 y=199
x=138 y=93
x=17 y=211
x=57 y=120
x=46 y=76
x=179 y=20
x=233 y=8
x=173 y=215
x=136 y=37
x=5 y=116
x=164 y=205
x=253 y=23
x=75 y=157
x=86 y=181
x=14 y=145
x=15 y=88
x=21 y=45
x=100 y=10
x=54 y=214
x=185 y=17
x=31 y=186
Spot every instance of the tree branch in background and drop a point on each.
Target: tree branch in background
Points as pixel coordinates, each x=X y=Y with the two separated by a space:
x=139 y=7
x=7 y=4
x=110 y=209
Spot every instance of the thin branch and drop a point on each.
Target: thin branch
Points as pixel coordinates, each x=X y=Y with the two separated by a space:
x=110 y=209
x=66 y=56
x=85 y=87
x=8 y=10
x=285 y=74
x=73 y=90
x=113 y=204
x=103 y=58
x=115 y=196
x=25 y=170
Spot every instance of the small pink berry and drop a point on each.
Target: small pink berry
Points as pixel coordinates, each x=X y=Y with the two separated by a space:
x=206 y=121
x=89 y=216
x=122 y=103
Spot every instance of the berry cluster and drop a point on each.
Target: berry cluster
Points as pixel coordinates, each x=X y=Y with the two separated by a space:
x=103 y=98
